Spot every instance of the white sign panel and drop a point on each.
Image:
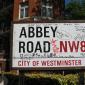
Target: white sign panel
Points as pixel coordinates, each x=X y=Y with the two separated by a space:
x=48 y=45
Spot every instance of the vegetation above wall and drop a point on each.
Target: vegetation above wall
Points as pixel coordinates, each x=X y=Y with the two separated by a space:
x=43 y=78
x=75 y=11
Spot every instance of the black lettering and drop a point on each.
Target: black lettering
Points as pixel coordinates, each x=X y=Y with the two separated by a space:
x=46 y=44
x=30 y=46
x=38 y=47
x=21 y=47
x=46 y=31
x=31 y=32
x=54 y=31
x=39 y=32
x=23 y=33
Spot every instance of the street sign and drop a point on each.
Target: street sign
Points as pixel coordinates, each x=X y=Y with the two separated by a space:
x=43 y=45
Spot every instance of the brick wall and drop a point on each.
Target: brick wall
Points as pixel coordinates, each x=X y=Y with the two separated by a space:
x=34 y=9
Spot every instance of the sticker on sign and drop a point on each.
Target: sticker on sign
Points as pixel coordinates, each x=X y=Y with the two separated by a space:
x=48 y=45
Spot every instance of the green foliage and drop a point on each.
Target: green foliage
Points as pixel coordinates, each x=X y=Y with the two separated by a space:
x=43 y=78
x=75 y=10
x=71 y=79
x=8 y=73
